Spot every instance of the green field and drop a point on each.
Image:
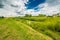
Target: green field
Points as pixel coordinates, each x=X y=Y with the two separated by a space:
x=30 y=28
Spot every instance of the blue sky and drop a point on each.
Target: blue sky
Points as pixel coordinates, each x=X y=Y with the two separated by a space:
x=34 y=3
x=34 y=7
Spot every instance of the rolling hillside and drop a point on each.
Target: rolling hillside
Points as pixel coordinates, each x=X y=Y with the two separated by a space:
x=30 y=28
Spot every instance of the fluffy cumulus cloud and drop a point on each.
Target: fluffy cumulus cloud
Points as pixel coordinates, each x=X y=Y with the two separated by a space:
x=52 y=6
x=12 y=7
x=49 y=7
x=34 y=7
x=49 y=10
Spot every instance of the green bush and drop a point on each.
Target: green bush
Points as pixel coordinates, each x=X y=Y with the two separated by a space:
x=41 y=15
x=1 y=16
x=28 y=15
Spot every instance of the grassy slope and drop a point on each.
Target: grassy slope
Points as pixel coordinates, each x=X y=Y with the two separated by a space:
x=46 y=25
x=14 y=29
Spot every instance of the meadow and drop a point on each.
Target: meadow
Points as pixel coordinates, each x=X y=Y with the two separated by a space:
x=30 y=28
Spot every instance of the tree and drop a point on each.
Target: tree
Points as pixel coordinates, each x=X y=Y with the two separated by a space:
x=28 y=15
x=1 y=16
x=42 y=15
x=58 y=14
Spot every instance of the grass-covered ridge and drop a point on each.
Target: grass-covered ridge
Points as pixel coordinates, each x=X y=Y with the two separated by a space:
x=30 y=28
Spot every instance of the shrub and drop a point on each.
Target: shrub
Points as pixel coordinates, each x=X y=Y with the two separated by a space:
x=55 y=27
x=42 y=15
x=28 y=15
x=1 y=16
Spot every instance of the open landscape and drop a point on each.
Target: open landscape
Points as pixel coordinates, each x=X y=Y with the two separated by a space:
x=29 y=19
x=30 y=28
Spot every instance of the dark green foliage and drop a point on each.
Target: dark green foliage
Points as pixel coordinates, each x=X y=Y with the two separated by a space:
x=57 y=27
x=1 y=16
x=28 y=15
x=41 y=15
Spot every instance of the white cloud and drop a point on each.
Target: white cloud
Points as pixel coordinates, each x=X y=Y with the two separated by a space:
x=49 y=7
x=49 y=10
x=6 y=13
x=53 y=2
x=10 y=10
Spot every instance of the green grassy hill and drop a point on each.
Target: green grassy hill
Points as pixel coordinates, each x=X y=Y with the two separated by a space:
x=30 y=28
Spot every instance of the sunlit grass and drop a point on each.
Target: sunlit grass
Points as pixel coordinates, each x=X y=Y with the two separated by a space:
x=30 y=28
x=17 y=29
